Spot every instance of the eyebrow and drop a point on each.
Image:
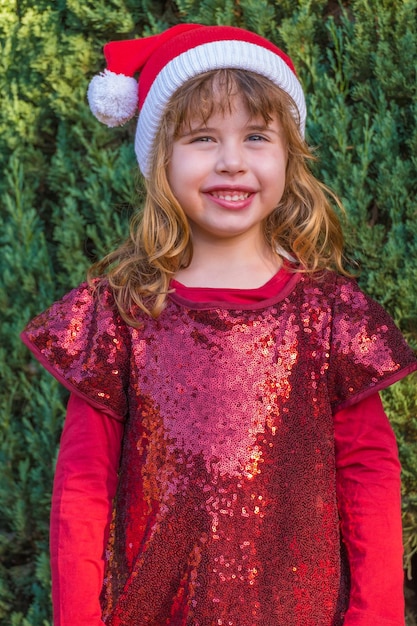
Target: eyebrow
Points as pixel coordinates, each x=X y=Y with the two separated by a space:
x=261 y=128
x=249 y=128
x=196 y=131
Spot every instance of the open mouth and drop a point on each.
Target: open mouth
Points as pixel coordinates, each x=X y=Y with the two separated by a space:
x=230 y=197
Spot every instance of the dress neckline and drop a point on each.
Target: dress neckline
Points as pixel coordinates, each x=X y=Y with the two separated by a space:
x=273 y=290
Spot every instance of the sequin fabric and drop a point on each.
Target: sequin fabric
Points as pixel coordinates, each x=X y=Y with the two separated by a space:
x=226 y=511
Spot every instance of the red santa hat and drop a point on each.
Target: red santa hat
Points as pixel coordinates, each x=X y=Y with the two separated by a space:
x=166 y=61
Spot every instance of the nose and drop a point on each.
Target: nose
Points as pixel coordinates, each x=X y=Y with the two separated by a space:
x=230 y=158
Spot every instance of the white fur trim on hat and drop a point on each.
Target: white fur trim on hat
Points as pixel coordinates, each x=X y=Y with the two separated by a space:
x=209 y=56
x=113 y=98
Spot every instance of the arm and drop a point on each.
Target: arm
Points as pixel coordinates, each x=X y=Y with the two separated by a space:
x=368 y=491
x=84 y=487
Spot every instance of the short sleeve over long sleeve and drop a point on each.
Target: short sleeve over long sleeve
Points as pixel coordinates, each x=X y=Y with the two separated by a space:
x=367 y=351
x=85 y=344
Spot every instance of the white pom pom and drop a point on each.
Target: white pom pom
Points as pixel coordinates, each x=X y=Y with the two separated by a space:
x=113 y=98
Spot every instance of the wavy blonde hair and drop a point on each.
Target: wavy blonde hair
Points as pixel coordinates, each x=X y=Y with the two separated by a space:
x=304 y=224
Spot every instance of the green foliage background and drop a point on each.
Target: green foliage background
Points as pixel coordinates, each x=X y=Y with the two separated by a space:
x=69 y=185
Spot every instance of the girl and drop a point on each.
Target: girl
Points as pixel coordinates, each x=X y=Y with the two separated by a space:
x=225 y=458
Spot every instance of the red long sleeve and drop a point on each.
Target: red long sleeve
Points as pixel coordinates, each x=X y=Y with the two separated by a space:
x=369 y=503
x=368 y=490
x=84 y=487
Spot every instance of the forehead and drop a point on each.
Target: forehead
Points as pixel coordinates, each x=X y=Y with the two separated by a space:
x=223 y=95
x=220 y=109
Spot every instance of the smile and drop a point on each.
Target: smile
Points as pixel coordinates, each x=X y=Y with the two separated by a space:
x=230 y=197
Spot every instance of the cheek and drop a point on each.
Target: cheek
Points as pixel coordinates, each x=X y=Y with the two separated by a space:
x=179 y=180
x=187 y=169
x=174 y=173
x=275 y=177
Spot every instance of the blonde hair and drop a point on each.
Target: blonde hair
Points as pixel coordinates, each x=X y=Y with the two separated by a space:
x=304 y=224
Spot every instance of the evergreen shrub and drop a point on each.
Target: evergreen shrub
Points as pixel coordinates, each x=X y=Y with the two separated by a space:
x=69 y=184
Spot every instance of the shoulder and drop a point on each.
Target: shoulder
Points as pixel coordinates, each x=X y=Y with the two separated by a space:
x=84 y=303
x=83 y=341
x=94 y=296
x=367 y=350
x=357 y=319
x=329 y=282
x=86 y=314
x=341 y=292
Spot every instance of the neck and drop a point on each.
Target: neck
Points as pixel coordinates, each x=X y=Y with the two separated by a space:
x=225 y=264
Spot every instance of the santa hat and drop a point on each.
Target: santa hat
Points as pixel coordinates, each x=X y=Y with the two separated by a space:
x=166 y=61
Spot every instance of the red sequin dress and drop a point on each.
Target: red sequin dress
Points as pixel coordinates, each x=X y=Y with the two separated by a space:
x=226 y=508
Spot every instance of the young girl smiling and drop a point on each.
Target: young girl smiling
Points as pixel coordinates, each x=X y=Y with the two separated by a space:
x=225 y=458
x=228 y=178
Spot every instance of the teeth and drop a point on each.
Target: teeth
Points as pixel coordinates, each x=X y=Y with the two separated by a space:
x=230 y=197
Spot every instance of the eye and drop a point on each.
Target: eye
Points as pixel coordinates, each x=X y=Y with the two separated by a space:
x=202 y=139
x=257 y=137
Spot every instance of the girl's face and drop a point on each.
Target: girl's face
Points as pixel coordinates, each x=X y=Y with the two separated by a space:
x=228 y=174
